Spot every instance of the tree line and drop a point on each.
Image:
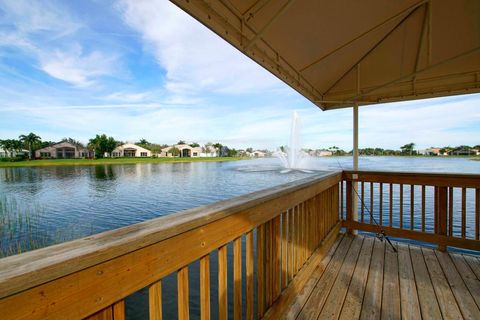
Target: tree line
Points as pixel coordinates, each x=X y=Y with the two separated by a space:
x=102 y=144
x=405 y=150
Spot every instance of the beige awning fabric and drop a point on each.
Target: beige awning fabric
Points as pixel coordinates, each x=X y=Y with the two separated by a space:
x=339 y=52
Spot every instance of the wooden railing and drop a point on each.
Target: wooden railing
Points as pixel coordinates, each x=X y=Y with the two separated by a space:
x=90 y=278
x=443 y=209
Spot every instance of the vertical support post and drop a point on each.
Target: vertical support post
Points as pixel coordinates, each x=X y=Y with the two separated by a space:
x=349 y=204
x=354 y=191
x=441 y=214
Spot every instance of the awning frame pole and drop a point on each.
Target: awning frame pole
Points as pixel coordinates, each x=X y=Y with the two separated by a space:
x=355 y=153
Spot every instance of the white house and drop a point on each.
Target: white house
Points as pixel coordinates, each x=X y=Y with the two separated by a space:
x=64 y=150
x=187 y=151
x=131 y=150
x=324 y=153
x=257 y=154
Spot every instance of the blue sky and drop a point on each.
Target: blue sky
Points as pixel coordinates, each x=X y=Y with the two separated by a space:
x=144 y=69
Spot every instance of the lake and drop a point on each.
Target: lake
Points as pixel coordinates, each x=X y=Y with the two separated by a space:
x=40 y=206
x=45 y=205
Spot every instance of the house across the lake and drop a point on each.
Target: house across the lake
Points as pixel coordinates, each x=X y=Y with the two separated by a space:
x=64 y=150
x=463 y=151
x=187 y=151
x=131 y=150
x=324 y=153
x=431 y=152
x=257 y=154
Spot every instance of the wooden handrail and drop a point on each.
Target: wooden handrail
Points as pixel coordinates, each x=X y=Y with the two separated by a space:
x=418 y=178
x=81 y=277
x=444 y=208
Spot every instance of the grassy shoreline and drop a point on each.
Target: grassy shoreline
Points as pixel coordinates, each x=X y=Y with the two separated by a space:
x=93 y=162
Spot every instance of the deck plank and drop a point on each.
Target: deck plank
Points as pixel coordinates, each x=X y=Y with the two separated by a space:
x=315 y=302
x=335 y=299
x=426 y=294
x=446 y=300
x=372 y=301
x=353 y=302
x=474 y=263
x=391 y=308
x=465 y=300
x=408 y=290
x=468 y=276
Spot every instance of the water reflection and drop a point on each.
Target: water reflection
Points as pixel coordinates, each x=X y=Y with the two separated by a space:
x=104 y=172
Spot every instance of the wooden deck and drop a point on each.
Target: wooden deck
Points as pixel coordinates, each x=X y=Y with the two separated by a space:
x=363 y=278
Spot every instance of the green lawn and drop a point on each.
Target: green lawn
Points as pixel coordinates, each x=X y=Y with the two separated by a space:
x=89 y=162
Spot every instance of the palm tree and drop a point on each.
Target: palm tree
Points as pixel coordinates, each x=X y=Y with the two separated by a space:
x=30 y=140
x=218 y=146
x=102 y=145
x=143 y=142
x=408 y=148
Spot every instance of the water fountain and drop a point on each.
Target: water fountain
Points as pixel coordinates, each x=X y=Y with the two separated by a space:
x=292 y=156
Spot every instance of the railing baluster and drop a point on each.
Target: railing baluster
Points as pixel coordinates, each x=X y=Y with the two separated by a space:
x=349 y=203
x=290 y=246
x=297 y=239
x=423 y=208
x=441 y=214
x=298 y=247
x=276 y=255
x=284 y=250
x=182 y=287
x=205 y=287
x=391 y=205
x=323 y=215
x=261 y=270
x=477 y=214
x=464 y=212
x=412 y=206
x=362 y=204
x=155 y=300
x=222 y=283
x=401 y=206
x=268 y=263
x=237 y=279
x=249 y=274
x=371 y=203
x=309 y=225
x=341 y=200
x=450 y=211
x=303 y=233
x=380 y=205
x=119 y=310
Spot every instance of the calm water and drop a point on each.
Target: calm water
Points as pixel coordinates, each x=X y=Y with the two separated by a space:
x=53 y=204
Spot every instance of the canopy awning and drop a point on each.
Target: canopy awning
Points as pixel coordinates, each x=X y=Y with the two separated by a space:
x=339 y=52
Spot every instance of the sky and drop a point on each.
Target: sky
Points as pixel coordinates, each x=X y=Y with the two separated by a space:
x=137 y=69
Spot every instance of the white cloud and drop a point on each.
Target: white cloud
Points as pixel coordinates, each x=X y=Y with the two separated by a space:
x=195 y=59
x=76 y=67
x=29 y=17
x=46 y=31
x=128 y=96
